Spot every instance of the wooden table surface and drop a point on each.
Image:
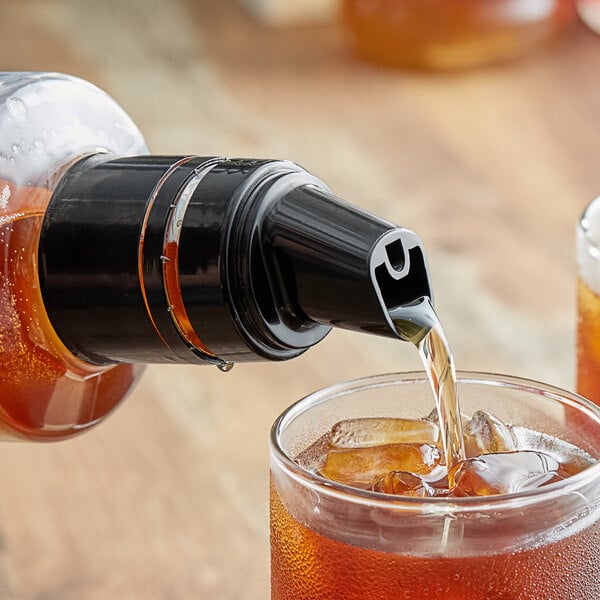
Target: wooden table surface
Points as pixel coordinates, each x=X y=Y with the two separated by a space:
x=168 y=498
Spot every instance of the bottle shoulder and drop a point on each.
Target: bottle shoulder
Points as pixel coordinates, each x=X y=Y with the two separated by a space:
x=47 y=120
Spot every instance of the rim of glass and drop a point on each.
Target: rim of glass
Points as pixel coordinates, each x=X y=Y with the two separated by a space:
x=584 y=224
x=440 y=505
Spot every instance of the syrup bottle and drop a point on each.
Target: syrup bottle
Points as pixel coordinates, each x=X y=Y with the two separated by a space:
x=113 y=258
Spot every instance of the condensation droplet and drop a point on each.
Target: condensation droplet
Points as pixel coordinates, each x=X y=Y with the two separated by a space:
x=225 y=366
x=16 y=106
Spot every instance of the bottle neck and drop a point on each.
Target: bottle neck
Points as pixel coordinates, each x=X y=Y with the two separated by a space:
x=151 y=259
x=134 y=262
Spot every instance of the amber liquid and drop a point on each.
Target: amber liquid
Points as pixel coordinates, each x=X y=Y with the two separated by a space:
x=45 y=392
x=588 y=342
x=309 y=566
x=420 y=325
x=447 y=34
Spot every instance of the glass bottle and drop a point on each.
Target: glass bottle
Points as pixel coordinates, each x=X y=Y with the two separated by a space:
x=451 y=34
x=113 y=258
x=47 y=122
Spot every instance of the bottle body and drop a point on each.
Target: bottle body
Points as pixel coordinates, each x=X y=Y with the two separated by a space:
x=47 y=121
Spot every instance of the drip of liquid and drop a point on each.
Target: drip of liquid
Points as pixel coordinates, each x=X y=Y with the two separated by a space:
x=419 y=324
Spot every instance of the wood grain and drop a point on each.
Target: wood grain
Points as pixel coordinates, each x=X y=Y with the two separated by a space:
x=168 y=498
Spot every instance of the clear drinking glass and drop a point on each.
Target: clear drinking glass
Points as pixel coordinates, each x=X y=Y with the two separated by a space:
x=330 y=541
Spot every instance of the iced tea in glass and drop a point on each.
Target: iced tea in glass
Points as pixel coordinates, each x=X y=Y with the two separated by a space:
x=588 y=303
x=363 y=509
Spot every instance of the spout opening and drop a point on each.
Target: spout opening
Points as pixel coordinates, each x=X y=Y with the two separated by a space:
x=395 y=255
x=413 y=285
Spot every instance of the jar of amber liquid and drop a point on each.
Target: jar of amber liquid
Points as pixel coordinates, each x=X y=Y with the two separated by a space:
x=453 y=34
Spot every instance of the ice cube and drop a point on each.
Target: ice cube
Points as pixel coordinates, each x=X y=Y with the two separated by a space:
x=485 y=434
x=360 y=433
x=363 y=467
x=401 y=483
x=504 y=473
x=572 y=459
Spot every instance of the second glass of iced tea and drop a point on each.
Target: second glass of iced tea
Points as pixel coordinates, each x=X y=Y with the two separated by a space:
x=588 y=303
x=348 y=520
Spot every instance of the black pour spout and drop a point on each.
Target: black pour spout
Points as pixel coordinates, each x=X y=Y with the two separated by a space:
x=192 y=259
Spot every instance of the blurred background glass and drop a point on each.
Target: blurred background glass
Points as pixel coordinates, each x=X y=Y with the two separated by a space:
x=442 y=34
x=589 y=11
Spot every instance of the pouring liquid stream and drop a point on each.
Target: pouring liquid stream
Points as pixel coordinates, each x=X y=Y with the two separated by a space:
x=419 y=324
